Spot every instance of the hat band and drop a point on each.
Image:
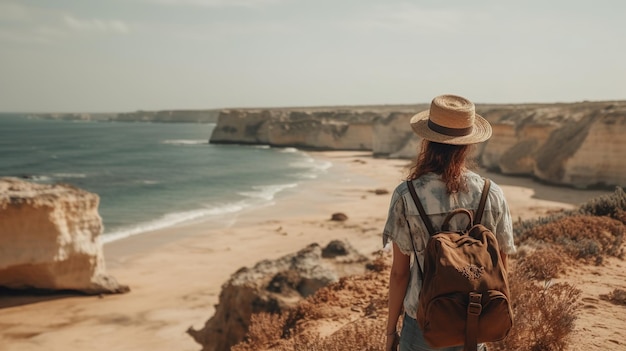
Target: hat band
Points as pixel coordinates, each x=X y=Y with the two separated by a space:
x=449 y=131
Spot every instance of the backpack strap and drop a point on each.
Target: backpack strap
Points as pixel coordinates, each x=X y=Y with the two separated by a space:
x=420 y=208
x=474 y=308
x=483 y=200
x=427 y=223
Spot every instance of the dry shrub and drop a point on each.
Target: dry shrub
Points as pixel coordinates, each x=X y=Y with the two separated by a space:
x=617 y=296
x=582 y=236
x=606 y=205
x=521 y=227
x=543 y=316
x=542 y=264
x=611 y=205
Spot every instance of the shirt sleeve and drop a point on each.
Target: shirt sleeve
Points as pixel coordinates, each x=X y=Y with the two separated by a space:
x=397 y=227
x=504 y=227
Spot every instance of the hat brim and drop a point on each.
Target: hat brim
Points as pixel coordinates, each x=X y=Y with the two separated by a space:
x=480 y=132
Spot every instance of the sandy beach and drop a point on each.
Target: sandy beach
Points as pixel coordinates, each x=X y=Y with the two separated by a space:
x=175 y=274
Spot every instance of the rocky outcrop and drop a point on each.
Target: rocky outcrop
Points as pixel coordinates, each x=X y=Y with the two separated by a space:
x=273 y=287
x=578 y=144
x=49 y=239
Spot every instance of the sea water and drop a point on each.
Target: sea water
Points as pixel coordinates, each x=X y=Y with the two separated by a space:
x=151 y=175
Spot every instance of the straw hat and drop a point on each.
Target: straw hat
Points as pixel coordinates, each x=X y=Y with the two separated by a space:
x=451 y=120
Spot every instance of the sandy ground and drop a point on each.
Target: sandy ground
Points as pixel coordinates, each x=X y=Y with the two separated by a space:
x=175 y=275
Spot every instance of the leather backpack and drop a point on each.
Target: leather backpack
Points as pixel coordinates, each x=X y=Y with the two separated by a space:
x=464 y=298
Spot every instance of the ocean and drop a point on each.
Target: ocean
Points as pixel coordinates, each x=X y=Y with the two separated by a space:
x=151 y=175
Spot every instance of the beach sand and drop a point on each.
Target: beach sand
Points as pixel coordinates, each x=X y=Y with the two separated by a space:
x=175 y=274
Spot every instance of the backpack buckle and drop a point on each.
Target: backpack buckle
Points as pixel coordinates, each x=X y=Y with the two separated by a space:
x=474 y=307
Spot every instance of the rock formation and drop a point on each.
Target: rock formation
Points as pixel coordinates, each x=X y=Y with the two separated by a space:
x=274 y=286
x=49 y=239
x=577 y=144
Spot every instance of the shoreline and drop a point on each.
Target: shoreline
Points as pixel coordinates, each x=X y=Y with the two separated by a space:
x=222 y=211
x=175 y=274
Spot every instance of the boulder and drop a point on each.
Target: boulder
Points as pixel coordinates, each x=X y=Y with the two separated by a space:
x=273 y=287
x=49 y=239
x=339 y=217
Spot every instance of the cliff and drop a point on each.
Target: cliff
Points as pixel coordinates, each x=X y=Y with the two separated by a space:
x=575 y=144
x=325 y=130
x=580 y=145
x=49 y=239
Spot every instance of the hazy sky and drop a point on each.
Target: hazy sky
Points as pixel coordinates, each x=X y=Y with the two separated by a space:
x=125 y=55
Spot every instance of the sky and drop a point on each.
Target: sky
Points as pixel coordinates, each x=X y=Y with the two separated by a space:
x=128 y=55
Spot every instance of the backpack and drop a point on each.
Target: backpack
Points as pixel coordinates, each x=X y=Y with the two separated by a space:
x=464 y=298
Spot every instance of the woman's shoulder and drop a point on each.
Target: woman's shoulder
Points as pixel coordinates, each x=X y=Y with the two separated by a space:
x=477 y=181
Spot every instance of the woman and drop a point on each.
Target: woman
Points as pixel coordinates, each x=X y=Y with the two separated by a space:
x=443 y=183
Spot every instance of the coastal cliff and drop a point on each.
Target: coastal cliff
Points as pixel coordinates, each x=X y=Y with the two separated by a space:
x=323 y=130
x=574 y=144
x=49 y=239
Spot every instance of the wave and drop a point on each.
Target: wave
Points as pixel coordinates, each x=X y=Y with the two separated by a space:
x=148 y=182
x=267 y=192
x=172 y=219
x=313 y=168
x=35 y=177
x=186 y=142
x=289 y=150
x=69 y=175
x=42 y=178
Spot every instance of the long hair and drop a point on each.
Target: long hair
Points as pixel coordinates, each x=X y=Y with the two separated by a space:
x=449 y=161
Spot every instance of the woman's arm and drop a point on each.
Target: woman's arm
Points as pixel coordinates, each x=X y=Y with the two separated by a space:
x=398 y=281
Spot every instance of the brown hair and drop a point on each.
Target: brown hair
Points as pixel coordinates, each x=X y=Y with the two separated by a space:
x=449 y=161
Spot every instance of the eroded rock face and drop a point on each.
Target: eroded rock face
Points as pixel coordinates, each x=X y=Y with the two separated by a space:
x=580 y=145
x=577 y=144
x=336 y=130
x=274 y=286
x=49 y=239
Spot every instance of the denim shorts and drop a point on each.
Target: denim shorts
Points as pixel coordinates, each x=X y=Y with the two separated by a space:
x=411 y=338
